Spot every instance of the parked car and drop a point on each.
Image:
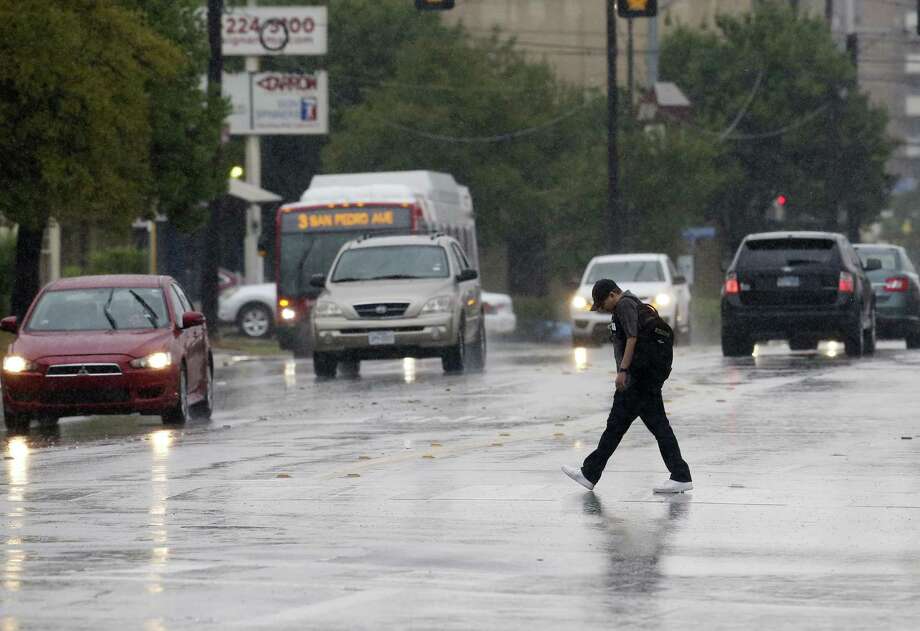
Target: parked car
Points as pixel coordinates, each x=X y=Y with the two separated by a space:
x=399 y=296
x=653 y=278
x=253 y=308
x=499 y=313
x=801 y=287
x=897 y=292
x=108 y=345
x=227 y=280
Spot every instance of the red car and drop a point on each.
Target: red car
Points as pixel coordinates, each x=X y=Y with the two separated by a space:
x=108 y=345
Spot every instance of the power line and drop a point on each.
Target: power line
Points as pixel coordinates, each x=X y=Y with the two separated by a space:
x=503 y=137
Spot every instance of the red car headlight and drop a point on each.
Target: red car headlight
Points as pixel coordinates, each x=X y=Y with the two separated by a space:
x=15 y=364
x=154 y=361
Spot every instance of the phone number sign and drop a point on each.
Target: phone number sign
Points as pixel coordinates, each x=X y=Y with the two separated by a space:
x=258 y=31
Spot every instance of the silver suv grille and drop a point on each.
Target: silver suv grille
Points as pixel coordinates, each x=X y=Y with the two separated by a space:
x=382 y=310
x=83 y=370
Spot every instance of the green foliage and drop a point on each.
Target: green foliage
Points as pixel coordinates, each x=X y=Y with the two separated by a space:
x=76 y=132
x=901 y=224
x=69 y=271
x=454 y=104
x=118 y=260
x=114 y=260
x=778 y=97
x=185 y=128
x=447 y=102
x=365 y=38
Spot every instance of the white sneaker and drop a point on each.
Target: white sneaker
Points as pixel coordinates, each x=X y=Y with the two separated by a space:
x=673 y=486
x=576 y=474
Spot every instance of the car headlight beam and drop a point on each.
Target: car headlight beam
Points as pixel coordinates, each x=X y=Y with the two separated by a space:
x=288 y=314
x=154 y=361
x=579 y=303
x=15 y=364
x=663 y=300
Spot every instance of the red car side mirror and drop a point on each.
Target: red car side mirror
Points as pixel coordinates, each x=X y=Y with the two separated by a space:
x=192 y=318
x=10 y=325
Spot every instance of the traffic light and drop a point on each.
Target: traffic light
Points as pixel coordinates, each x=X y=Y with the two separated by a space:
x=434 y=5
x=637 y=8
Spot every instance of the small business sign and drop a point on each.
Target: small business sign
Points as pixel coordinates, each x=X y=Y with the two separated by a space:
x=278 y=103
x=257 y=31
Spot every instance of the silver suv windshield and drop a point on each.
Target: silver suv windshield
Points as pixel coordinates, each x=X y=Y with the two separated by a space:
x=391 y=262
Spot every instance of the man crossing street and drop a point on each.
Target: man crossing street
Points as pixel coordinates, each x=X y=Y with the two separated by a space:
x=634 y=398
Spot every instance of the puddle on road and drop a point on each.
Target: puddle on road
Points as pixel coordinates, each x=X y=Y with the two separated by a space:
x=16 y=459
x=161 y=442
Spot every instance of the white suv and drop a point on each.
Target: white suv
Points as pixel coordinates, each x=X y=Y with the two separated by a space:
x=394 y=297
x=651 y=277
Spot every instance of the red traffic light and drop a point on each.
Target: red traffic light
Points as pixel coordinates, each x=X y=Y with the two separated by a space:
x=781 y=200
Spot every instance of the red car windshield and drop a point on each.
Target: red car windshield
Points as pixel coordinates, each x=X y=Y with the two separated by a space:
x=102 y=309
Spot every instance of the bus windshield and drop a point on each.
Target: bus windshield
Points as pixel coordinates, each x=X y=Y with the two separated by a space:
x=303 y=255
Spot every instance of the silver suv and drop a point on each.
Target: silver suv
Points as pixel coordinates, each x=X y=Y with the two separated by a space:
x=399 y=296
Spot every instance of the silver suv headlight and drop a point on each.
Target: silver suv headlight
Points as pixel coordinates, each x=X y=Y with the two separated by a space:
x=441 y=304
x=327 y=309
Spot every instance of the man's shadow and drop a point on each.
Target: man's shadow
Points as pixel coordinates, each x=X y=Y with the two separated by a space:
x=634 y=547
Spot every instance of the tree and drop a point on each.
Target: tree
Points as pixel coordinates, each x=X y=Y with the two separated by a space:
x=772 y=88
x=482 y=113
x=185 y=125
x=75 y=110
x=365 y=37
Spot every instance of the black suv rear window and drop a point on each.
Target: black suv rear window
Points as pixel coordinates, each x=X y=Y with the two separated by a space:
x=787 y=252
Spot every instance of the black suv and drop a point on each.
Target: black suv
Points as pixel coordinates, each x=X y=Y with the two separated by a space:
x=798 y=286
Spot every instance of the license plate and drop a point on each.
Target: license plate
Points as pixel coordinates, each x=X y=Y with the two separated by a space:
x=379 y=338
x=787 y=281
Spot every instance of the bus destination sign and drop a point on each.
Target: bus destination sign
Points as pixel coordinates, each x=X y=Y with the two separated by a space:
x=346 y=219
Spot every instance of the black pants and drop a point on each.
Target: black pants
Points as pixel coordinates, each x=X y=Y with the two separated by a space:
x=628 y=404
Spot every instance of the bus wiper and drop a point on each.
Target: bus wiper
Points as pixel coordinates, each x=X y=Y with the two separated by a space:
x=300 y=264
x=150 y=312
x=108 y=314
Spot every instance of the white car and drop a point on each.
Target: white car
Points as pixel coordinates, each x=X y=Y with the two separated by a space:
x=651 y=277
x=500 y=318
x=251 y=307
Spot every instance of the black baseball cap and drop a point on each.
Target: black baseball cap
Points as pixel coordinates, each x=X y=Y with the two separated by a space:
x=601 y=290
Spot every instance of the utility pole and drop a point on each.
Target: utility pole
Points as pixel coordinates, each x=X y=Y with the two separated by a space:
x=252 y=262
x=616 y=227
x=829 y=12
x=630 y=64
x=212 y=250
x=845 y=215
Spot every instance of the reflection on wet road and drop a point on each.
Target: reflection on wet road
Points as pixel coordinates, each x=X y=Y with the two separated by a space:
x=404 y=497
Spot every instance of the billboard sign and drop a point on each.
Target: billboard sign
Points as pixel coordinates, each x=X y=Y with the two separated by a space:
x=278 y=103
x=257 y=31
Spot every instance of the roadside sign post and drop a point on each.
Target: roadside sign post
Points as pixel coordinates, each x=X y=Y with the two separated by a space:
x=253 y=31
x=253 y=267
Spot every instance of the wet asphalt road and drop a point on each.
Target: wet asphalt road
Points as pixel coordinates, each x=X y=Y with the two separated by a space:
x=410 y=499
